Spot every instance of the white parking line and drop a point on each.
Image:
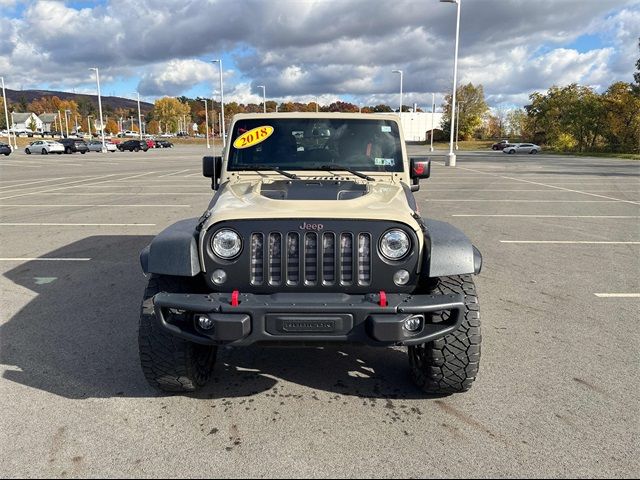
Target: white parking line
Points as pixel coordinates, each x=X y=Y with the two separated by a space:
x=92 y=205
x=551 y=186
x=115 y=194
x=4 y=164
x=175 y=173
x=44 y=259
x=570 y=242
x=34 y=182
x=548 y=216
x=60 y=188
x=617 y=295
x=477 y=190
x=78 y=224
x=136 y=176
x=517 y=201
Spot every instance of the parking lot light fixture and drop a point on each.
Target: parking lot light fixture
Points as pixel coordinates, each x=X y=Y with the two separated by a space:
x=224 y=130
x=139 y=115
x=433 y=113
x=66 y=120
x=104 y=148
x=6 y=111
x=458 y=123
x=400 y=72
x=264 y=97
x=89 y=124
x=206 y=122
x=451 y=158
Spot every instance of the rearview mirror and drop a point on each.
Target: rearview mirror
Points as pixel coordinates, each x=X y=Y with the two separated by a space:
x=212 y=168
x=420 y=168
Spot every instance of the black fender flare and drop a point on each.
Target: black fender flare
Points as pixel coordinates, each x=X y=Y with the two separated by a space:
x=448 y=251
x=174 y=251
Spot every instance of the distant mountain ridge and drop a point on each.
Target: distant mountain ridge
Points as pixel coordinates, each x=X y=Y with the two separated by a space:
x=17 y=96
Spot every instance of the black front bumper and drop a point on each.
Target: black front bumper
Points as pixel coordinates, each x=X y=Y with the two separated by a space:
x=306 y=318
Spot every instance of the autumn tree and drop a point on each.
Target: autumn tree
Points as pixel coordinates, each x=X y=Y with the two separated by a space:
x=636 y=76
x=111 y=127
x=169 y=110
x=473 y=109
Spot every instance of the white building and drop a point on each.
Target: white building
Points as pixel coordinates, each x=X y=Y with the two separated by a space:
x=417 y=125
x=21 y=122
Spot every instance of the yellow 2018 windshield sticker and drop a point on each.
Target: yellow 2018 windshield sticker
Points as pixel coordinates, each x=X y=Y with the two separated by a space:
x=253 y=137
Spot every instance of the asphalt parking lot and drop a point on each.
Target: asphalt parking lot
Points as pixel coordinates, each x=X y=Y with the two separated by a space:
x=557 y=393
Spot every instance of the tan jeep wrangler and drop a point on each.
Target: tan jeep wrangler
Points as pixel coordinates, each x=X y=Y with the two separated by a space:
x=313 y=236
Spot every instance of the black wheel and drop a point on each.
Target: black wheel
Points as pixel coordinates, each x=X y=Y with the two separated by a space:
x=67 y=150
x=136 y=149
x=533 y=151
x=44 y=151
x=169 y=363
x=494 y=148
x=6 y=154
x=450 y=364
x=27 y=151
x=83 y=152
x=59 y=153
x=511 y=152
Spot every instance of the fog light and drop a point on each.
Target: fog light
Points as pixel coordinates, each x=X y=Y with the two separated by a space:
x=401 y=277
x=219 y=277
x=204 y=322
x=413 y=324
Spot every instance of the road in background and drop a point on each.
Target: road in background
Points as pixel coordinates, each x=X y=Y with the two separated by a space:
x=557 y=393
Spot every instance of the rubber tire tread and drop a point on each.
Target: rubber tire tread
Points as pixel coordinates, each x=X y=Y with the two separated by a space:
x=170 y=364
x=450 y=364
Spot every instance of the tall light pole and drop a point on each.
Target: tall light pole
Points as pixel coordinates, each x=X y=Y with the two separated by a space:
x=104 y=148
x=458 y=123
x=89 y=125
x=132 y=124
x=139 y=115
x=433 y=114
x=66 y=120
x=452 y=156
x=6 y=111
x=206 y=122
x=224 y=130
x=317 y=105
x=400 y=72
x=264 y=97
x=15 y=137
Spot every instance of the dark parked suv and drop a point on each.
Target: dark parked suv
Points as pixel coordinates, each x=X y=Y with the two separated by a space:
x=73 y=145
x=133 y=146
x=5 y=149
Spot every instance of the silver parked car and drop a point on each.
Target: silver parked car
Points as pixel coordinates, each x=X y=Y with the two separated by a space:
x=96 y=146
x=44 y=147
x=522 y=148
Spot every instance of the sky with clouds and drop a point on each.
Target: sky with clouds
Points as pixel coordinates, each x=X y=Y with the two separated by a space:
x=329 y=49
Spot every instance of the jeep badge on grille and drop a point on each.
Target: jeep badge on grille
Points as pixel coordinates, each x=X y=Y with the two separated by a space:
x=311 y=226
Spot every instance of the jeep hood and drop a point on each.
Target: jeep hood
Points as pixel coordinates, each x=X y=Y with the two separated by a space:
x=311 y=199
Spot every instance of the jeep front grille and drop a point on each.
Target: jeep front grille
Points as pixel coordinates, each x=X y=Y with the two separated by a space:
x=310 y=258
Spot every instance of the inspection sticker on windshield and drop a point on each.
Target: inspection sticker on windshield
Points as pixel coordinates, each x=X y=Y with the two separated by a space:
x=385 y=129
x=385 y=162
x=253 y=137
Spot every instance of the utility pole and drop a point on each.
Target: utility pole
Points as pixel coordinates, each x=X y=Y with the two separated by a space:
x=6 y=114
x=206 y=122
x=433 y=113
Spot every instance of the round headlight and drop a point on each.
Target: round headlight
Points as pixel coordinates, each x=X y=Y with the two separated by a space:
x=395 y=244
x=226 y=244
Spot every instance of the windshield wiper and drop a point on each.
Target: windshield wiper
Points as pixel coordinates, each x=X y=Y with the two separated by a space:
x=346 y=169
x=270 y=168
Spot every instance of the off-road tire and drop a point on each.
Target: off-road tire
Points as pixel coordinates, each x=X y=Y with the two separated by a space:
x=450 y=364
x=169 y=363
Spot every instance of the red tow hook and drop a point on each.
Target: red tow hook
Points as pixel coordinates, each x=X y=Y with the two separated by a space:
x=235 y=298
x=383 y=298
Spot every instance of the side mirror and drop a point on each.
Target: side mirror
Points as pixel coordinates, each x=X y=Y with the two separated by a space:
x=420 y=168
x=212 y=168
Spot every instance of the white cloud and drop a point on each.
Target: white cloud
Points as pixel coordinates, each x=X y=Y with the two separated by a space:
x=301 y=49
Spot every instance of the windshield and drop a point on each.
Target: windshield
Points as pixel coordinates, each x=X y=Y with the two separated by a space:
x=311 y=143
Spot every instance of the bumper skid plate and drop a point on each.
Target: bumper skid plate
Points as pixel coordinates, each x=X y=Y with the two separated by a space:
x=307 y=318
